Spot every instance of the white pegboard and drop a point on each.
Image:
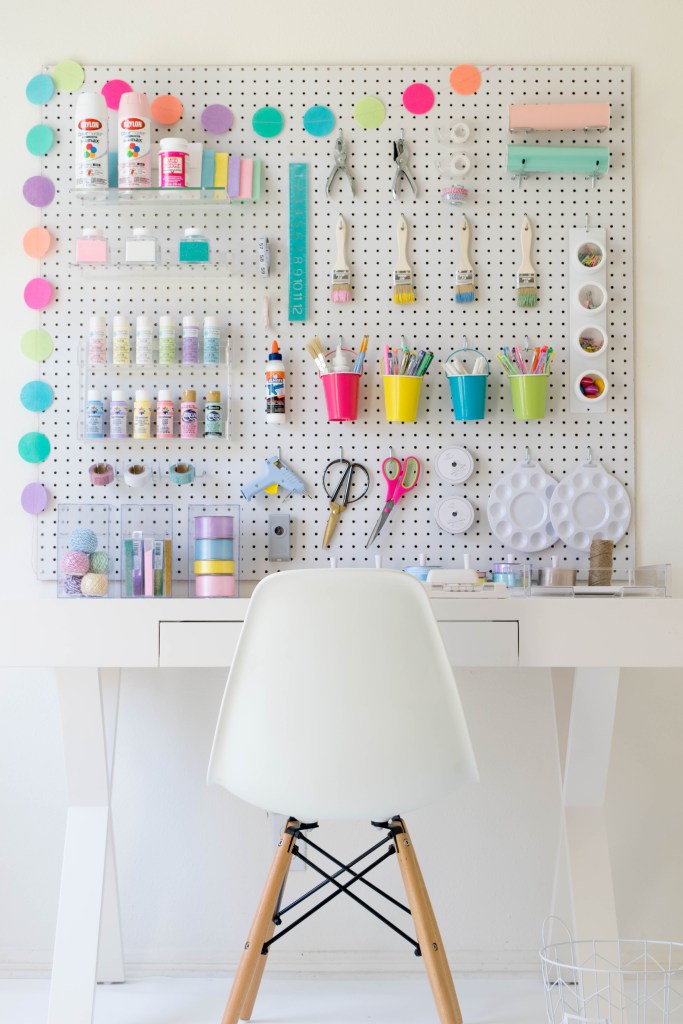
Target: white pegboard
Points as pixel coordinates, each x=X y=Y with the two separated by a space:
x=554 y=203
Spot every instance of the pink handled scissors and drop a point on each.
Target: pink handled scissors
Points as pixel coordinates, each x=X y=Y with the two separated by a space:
x=401 y=478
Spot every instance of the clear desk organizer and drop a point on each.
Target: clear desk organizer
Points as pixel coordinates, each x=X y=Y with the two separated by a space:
x=213 y=550
x=83 y=550
x=146 y=550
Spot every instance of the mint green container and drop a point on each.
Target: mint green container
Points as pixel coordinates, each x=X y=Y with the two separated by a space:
x=590 y=160
x=194 y=247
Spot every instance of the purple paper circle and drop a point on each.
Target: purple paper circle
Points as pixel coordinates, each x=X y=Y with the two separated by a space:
x=217 y=118
x=34 y=499
x=38 y=293
x=39 y=190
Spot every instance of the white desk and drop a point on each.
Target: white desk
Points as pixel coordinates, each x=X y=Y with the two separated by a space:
x=584 y=642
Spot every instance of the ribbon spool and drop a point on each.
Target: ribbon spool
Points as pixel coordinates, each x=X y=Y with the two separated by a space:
x=182 y=473
x=136 y=475
x=101 y=474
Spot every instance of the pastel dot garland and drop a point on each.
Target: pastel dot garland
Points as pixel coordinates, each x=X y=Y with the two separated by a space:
x=83 y=539
x=94 y=584
x=75 y=563
x=99 y=562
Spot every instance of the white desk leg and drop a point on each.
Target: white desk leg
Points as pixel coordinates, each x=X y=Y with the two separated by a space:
x=585 y=708
x=88 y=705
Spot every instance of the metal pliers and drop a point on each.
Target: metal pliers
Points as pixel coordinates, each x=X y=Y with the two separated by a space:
x=340 y=157
x=401 y=159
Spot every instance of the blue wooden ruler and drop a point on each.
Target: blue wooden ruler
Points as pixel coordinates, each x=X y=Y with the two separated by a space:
x=298 y=241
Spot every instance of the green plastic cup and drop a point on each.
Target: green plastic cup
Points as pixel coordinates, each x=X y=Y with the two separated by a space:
x=529 y=394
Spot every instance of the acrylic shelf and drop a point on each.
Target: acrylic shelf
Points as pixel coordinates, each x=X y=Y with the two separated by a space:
x=166 y=269
x=155 y=196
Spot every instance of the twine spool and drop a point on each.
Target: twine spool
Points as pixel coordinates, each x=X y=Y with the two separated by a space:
x=99 y=562
x=74 y=563
x=71 y=585
x=600 y=563
x=83 y=539
x=94 y=584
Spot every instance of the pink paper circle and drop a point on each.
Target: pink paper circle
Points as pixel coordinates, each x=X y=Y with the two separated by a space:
x=39 y=190
x=34 y=499
x=217 y=118
x=418 y=98
x=38 y=293
x=113 y=90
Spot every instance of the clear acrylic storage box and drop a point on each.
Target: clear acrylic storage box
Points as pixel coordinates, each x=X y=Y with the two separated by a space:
x=213 y=550
x=146 y=550
x=84 y=557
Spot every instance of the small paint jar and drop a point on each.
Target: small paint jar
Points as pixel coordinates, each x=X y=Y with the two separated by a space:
x=194 y=247
x=92 y=247
x=174 y=155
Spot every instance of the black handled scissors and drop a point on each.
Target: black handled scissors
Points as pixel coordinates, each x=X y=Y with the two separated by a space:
x=344 y=492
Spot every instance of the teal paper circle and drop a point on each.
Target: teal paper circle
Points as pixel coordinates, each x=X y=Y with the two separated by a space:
x=34 y=447
x=36 y=396
x=40 y=139
x=268 y=122
x=40 y=89
x=318 y=121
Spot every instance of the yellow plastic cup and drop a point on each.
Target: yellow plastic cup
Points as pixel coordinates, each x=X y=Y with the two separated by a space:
x=401 y=398
x=529 y=394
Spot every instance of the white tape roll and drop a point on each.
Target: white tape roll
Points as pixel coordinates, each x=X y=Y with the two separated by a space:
x=460 y=132
x=460 y=165
x=136 y=475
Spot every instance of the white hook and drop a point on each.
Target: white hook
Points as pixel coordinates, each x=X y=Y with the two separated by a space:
x=467 y=344
x=526 y=342
x=279 y=454
x=341 y=454
x=527 y=455
x=391 y=451
x=589 y=457
x=586 y=224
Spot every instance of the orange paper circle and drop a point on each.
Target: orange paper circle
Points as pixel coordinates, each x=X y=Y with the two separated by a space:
x=465 y=79
x=36 y=242
x=166 y=109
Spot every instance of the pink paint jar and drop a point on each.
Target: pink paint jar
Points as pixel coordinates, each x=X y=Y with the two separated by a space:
x=173 y=158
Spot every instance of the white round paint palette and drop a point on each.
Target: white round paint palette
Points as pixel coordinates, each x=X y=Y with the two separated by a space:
x=589 y=503
x=519 y=508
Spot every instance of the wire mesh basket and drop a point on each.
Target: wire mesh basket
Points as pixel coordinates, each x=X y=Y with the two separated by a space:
x=612 y=981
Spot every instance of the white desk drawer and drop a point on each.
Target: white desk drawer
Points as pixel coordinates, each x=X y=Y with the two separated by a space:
x=485 y=644
x=200 y=644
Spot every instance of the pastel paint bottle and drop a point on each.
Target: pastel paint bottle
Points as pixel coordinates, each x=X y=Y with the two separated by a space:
x=212 y=340
x=118 y=415
x=94 y=415
x=188 y=414
x=135 y=162
x=144 y=340
x=275 y=387
x=142 y=416
x=213 y=415
x=121 y=341
x=91 y=163
x=165 y=415
x=97 y=341
x=167 y=333
x=190 y=340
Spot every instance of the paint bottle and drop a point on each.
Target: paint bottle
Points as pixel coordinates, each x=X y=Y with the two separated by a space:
x=121 y=341
x=190 y=340
x=144 y=340
x=165 y=415
x=174 y=156
x=188 y=414
x=94 y=415
x=275 y=387
x=118 y=415
x=212 y=339
x=135 y=164
x=97 y=341
x=213 y=415
x=142 y=416
x=91 y=164
x=167 y=332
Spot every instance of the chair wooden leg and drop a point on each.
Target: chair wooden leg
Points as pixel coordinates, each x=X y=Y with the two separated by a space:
x=255 y=983
x=258 y=933
x=431 y=946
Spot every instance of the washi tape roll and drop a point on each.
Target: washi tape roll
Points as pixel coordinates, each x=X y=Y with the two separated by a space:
x=101 y=474
x=213 y=526
x=210 y=548
x=214 y=567
x=136 y=475
x=215 y=586
x=182 y=473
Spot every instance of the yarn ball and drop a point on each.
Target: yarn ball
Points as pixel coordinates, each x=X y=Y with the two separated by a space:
x=94 y=584
x=75 y=563
x=99 y=562
x=71 y=585
x=83 y=539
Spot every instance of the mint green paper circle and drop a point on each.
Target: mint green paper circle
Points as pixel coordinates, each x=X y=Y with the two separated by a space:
x=37 y=344
x=318 y=121
x=36 y=396
x=40 y=139
x=369 y=112
x=34 y=447
x=268 y=122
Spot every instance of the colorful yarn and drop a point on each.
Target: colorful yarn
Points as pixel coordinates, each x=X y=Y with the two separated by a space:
x=75 y=563
x=71 y=585
x=94 y=584
x=83 y=539
x=99 y=562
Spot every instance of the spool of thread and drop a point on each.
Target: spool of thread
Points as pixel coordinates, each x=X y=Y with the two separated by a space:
x=206 y=527
x=94 y=584
x=71 y=585
x=83 y=539
x=600 y=563
x=99 y=562
x=74 y=563
x=215 y=586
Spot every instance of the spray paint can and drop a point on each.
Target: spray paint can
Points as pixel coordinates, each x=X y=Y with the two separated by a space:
x=275 y=386
x=91 y=163
x=135 y=162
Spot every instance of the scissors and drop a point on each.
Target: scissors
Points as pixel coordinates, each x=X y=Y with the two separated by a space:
x=400 y=478
x=401 y=158
x=340 y=157
x=339 y=497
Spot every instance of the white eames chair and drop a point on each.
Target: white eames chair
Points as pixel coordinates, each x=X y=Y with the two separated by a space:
x=341 y=704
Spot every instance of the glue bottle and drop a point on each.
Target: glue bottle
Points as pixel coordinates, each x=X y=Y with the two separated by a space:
x=135 y=162
x=342 y=362
x=275 y=387
x=91 y=163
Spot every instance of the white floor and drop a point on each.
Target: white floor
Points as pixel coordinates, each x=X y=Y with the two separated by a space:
x=328 y=1001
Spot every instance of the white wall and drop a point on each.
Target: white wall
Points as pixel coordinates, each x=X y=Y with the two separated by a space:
x=188 y=883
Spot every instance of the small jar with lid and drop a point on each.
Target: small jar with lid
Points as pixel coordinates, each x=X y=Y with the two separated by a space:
x=92 y=247
x=193 y=247
x=174 y=154
x=142 y=247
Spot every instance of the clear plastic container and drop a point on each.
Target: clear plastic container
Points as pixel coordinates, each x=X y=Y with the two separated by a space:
x=83 y=550
x=213 y=550
x=146 y=550
x=142 y=247
x=194 y=247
